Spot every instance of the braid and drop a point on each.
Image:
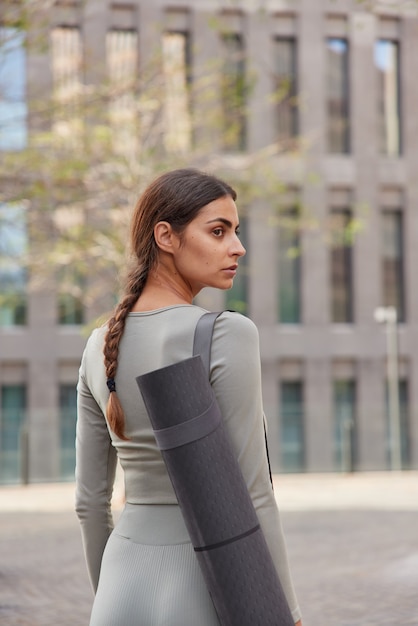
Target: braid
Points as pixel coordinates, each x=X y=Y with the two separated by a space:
x=115 y=327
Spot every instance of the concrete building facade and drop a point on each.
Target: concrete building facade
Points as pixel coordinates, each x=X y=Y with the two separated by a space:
x=350 y=69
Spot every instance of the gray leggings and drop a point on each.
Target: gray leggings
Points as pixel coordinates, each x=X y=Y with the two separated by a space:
x=150 y=575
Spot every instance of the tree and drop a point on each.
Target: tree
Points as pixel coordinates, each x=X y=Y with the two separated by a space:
x=92 y=148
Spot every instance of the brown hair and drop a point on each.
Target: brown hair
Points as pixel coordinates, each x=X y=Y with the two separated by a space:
x=175 y=197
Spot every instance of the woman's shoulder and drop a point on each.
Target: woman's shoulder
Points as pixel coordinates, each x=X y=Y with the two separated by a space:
x=234 y=327
x=95 y=340
x=237 y=321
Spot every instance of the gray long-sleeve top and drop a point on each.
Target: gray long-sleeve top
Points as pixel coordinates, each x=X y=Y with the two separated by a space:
x=150 y=341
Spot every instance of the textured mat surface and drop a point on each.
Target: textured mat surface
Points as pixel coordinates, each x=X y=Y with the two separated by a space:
x=213 y=496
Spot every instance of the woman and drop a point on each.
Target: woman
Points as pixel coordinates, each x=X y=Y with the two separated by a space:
x=184 y=236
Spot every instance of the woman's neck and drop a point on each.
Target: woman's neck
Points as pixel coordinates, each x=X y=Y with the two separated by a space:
x=162 y=289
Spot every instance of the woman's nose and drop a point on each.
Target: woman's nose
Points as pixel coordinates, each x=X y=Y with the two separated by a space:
x=238 y=248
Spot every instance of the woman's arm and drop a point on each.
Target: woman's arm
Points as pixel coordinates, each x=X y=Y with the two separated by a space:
x=236 y=380
x=95 y=475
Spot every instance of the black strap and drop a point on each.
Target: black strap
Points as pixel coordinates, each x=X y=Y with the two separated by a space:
x=203 y=337
x=202 y=343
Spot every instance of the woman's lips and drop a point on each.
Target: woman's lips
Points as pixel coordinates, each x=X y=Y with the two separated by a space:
x=232 y=270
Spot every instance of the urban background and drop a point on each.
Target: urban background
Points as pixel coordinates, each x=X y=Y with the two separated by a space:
x=310 y=110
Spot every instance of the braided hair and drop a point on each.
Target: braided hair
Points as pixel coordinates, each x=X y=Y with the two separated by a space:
x=175 y=197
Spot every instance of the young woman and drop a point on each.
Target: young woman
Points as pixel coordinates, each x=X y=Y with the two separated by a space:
x=184 y=236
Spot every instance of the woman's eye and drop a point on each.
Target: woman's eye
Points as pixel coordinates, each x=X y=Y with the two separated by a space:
x=218 y=232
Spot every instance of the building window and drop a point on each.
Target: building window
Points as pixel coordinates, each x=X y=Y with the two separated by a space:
x=122 y=65
x=68 y=417
x=404 y=426
x=13 y=274
x=393 y=262
x=338 y=127
x=387 y=63
x=285 y=89
x=12 y=418
x=341 y=267
x=70 y=297
x=344 y=425
x=237 y=296
x=13 y=106
x=292 y=426
x=66 y=57
x=233 y=93
x=289 y=259
x=176 y=67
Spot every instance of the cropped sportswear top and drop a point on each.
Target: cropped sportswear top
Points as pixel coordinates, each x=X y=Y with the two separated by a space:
x=152 y=340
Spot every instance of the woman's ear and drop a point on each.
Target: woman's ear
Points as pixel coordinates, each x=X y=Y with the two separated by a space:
x=165 y=237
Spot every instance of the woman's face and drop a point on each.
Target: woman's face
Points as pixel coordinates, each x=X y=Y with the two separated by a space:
x=207 y=253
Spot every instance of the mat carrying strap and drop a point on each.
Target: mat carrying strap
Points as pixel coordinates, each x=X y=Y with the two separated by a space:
x=202 y=343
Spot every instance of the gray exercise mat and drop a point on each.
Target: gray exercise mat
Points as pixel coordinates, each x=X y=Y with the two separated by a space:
x=213 y=496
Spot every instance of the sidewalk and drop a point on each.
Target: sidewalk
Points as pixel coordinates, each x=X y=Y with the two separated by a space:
x=366 y=491
x=352 y=544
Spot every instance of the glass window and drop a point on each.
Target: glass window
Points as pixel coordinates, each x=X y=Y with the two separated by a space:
x=344 y=425
x=68 y=418
x=13 y=106
x=13 y=274
x=66 y=56
x=387 y=64
x=393 y=262
x=237 y=296
x=341 y=267
x=234 y=92
x=176 y=63
x=404 y=425
x=285 y=88
x=292 y=426
x=70 y=309
x=12 y=417
x=70 y=297
x=122 y=63
x=289 y=269
x=337 y=96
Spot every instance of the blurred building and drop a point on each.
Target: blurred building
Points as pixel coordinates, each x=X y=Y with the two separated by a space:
x=333 y=84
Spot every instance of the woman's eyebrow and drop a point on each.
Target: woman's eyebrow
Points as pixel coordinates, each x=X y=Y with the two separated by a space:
x=223 y=221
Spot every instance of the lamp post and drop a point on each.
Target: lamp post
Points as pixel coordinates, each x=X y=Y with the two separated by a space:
x=388 y=316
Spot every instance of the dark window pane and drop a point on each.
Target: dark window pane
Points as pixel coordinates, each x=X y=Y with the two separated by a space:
x=12 y=417
x=341 y=267
x=393 y=262
x=234 y=93
x=337 y=96
x=289 y=270
x=72 y=285
x=285 y=89
x=68 y=417
x=292 y=427
x=13 y=273
x=70 y=309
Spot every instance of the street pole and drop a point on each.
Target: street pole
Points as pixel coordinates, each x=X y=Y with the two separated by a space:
x=393 y=388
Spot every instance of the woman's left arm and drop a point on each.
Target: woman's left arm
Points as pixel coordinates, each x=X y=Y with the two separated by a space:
x=236 y=380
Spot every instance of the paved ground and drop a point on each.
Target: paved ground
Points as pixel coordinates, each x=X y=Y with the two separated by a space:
x=353 y=545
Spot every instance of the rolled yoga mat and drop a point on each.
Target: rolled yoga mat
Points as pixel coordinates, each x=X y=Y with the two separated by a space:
x=212 y=494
